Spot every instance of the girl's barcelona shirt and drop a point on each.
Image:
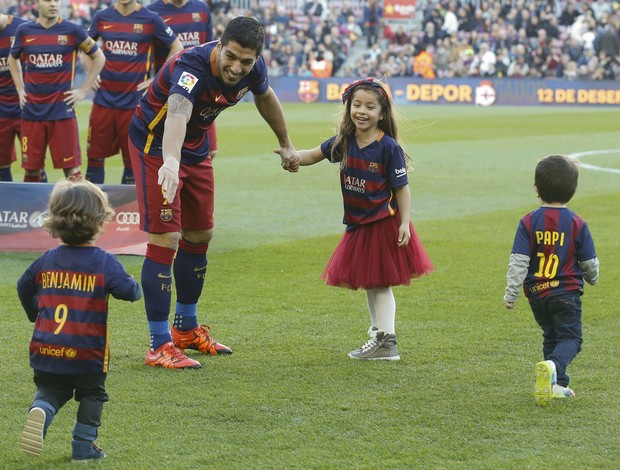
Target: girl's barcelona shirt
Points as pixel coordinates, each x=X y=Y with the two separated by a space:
x=369 y=178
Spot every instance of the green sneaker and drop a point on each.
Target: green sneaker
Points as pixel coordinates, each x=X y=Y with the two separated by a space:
x=545 y=380
x=382 y=346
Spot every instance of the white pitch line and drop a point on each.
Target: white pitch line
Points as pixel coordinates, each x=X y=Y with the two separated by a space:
x=578 y=155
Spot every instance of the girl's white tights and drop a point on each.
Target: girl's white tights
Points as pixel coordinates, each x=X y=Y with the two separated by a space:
x=382 y=308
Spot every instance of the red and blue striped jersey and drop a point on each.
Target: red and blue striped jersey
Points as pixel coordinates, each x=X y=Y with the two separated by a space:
x=192 y=73
x=9 y=101
x=191 y=23
x=368 y=179
x=67 y=291
x=48 y=59
x=556 y=240
x=128 y=43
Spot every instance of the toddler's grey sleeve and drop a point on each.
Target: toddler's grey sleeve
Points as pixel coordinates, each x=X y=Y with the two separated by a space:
x=590 y=270
x=517 y=270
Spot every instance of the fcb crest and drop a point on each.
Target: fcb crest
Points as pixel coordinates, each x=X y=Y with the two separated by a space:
x=165 y=214
x=138 y=28
x=63 y=40
x=308 y=91
x=242 y=92
x=373 y=167
x=196 y=17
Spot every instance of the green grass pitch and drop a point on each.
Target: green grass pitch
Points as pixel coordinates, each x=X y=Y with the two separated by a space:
x=461 y=396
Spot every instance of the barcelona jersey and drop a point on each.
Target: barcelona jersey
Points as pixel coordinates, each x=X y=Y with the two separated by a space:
x=368 y=180
x=192 y=73
x=128 y=45
x=9 y=101
x=68 y=287
x=49 y=58
x=556 y=240
x=191 y=23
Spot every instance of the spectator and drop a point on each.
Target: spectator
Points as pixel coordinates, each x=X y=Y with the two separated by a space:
x=570 y=68
x=607 y=41
x=600 y=8
x=465 y=16
x=502 y=63
x=274 y=69
x=553 y=65
x=441 y=60
x=519 y=68
x=314 y=9
x=569 y=15
x=423 y=65
x=574 y=49
x=430 y=34
x=353 y=29
x=483 y=63
x=450 y=20
x=551 y=27
x=372 y=21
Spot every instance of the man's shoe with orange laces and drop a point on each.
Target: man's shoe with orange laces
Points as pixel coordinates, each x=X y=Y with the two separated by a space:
x=198 y=339
x=170 y=357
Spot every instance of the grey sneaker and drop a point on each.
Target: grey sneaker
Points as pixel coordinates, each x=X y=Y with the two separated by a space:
x=380 y=347
x=31 y=440
x=372 y=331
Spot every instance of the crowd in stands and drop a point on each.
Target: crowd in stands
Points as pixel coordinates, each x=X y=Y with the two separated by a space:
x=571 y=39
x=519 y=39
x=516 y=39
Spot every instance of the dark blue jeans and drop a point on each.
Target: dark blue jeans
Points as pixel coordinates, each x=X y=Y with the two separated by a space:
x=89 y=390
x=560 y=319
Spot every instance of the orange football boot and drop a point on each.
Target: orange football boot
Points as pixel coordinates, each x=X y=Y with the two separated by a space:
x=169 y=357
x=198 y=339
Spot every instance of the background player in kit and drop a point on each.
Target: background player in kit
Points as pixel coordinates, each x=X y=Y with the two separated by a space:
x=10 y=112
x=191 y=21
x=128 y=33
x=45 y=88
x=169 y=151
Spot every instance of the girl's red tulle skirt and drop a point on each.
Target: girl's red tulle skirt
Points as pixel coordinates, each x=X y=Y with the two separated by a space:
x=369 y=257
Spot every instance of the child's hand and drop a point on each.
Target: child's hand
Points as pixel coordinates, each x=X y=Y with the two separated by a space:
x=403 y=235
x=509 y=305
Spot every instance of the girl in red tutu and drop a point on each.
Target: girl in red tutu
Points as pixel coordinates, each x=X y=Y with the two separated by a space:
x=380 y=247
